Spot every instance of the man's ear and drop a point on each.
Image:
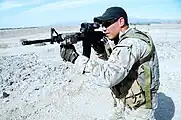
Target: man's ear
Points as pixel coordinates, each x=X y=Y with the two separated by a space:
x=121 y=21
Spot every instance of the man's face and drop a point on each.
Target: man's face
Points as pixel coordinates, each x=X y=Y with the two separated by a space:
x=112 y=29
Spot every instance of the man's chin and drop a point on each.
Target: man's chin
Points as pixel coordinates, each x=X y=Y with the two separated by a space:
x=111 y=38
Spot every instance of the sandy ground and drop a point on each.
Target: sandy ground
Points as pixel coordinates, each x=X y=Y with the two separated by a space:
x=39 y=85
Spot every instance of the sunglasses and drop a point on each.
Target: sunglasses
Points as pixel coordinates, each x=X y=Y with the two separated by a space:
x=106 y=24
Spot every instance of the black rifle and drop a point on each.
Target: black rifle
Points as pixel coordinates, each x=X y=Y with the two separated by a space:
x=87 y=35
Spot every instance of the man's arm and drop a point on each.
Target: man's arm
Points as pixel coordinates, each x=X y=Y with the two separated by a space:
x=116 y=68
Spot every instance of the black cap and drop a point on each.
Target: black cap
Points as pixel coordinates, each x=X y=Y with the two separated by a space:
x=111 y=13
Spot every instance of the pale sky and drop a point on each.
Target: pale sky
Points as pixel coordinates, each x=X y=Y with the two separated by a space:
x=27 y=13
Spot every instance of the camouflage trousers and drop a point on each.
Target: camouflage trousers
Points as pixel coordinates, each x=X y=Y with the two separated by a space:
x=120 y=112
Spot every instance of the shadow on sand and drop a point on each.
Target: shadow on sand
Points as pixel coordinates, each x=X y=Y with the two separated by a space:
x=165 y=109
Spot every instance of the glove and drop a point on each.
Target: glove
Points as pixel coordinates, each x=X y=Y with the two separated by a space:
x=99 y=47
x=68 y=53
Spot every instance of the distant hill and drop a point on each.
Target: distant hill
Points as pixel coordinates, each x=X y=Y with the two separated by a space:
x=17 y=28
x=153 y=21
x=139 y=21
x=131 y=21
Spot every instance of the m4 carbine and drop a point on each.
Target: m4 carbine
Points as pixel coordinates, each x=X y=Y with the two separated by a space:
x=87 y=35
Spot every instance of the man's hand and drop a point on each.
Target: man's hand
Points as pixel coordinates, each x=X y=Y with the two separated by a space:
x=100 y=50
x=68 y=53
x=99 y=47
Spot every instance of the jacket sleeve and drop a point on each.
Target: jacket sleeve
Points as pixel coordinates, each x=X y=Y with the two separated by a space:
x=116 y=68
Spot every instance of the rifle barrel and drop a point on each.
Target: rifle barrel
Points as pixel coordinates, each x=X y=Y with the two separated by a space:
x=27 y=42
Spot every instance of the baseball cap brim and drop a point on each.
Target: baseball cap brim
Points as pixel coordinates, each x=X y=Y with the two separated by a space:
x=103 y=18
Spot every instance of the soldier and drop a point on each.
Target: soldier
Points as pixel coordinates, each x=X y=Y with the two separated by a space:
x=131 y=71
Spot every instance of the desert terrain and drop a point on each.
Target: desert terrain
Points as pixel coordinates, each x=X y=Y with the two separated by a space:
x=36 y=84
